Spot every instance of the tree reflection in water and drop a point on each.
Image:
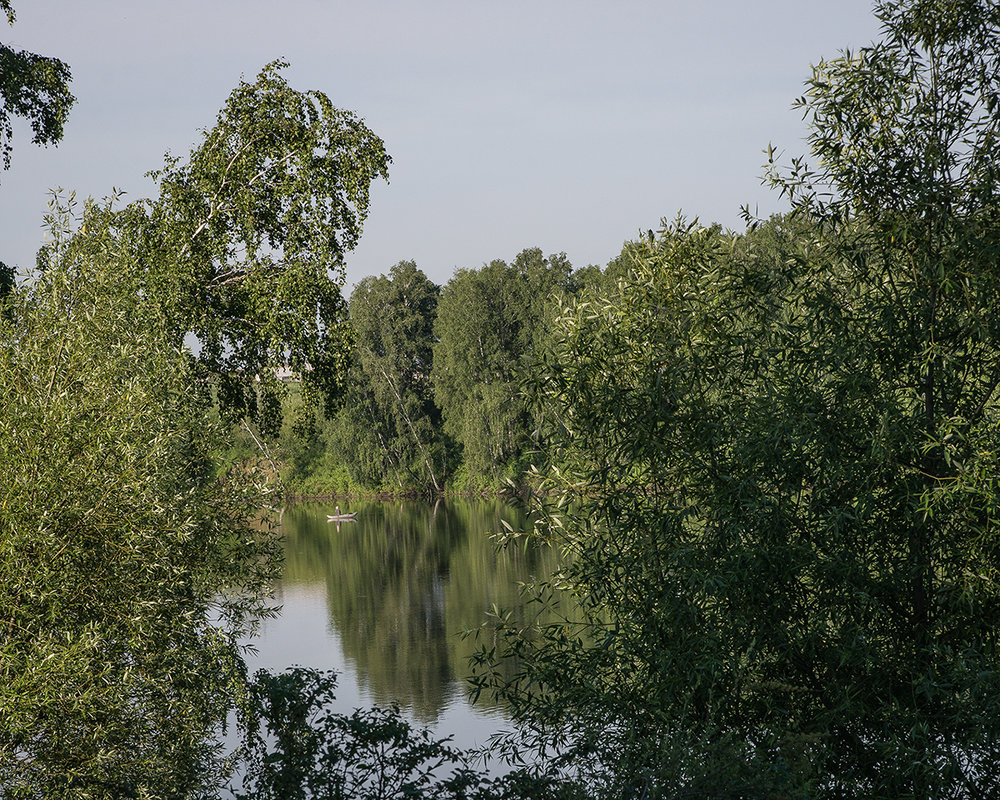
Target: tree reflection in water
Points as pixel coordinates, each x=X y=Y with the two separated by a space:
x=404 y=582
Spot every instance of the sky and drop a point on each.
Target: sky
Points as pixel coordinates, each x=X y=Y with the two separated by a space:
x=569 y=125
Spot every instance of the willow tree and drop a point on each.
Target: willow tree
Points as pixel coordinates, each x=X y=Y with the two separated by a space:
x=776 y=457
x=130 y=573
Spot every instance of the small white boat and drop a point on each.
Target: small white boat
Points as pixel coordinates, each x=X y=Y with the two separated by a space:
x=350 y=516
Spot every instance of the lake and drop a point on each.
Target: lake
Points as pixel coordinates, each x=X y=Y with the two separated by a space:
x=385 y=601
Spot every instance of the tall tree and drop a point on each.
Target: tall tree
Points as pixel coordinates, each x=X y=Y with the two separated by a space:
x=393 y=321
x=35 y=88
x=129 y=569
x=244 y=246
x=488 y=325
x=777 y=456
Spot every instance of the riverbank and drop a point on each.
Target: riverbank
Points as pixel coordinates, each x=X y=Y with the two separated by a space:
x=383 y=495
x=326 y=482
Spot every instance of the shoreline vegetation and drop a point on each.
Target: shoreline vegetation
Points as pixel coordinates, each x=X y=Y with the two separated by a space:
x=434 y=400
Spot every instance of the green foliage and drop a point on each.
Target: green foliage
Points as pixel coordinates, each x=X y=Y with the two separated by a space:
x=244 y=246
x=129 y=571
x=488 y=326
x=392 y=407
x=296 y=748
x=905 y=130
x=408 y=427
x=774 y=462
x=6 y=282
x=35 y=88
x=313 y=457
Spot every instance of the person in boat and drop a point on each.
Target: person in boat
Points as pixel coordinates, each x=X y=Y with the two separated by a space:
x=341 y=515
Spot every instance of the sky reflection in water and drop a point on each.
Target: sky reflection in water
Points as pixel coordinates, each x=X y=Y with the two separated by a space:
x=384 y=601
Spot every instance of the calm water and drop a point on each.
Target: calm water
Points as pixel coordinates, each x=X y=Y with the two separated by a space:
x=385 y=600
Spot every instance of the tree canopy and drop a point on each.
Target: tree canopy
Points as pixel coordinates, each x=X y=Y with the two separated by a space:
x=488 y=320
x=244 y=246
x=129 y=571
x=774 y=461
x=35 y=88
x=393 y=322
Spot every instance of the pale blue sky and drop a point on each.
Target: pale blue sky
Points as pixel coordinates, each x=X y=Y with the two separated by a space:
x=563 y=124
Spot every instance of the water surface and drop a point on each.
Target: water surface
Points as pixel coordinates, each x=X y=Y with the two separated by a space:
x=385 y=602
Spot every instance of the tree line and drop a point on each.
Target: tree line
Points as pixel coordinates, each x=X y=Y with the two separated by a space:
x=434 y=394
